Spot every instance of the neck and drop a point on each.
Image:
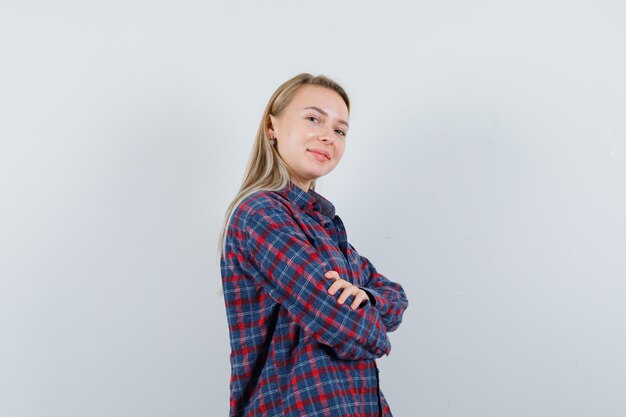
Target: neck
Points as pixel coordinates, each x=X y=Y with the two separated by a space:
x=305 y=185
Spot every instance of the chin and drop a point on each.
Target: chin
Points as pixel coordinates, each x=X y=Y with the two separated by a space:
x=319 y=174
x=314 y=174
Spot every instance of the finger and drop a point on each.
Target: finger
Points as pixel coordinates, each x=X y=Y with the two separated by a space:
x=358 y=300
x=331 y=274
x=337 y=285
x=347 y=292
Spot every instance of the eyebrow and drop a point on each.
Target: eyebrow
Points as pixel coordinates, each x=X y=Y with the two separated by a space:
x=325 y=114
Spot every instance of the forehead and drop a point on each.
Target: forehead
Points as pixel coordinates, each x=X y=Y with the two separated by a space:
x=324 y=98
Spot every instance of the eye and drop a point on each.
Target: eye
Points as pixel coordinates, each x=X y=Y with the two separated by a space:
x=313 y=118
x=341 y=132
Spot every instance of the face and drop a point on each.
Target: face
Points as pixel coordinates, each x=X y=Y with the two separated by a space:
x=311 y=133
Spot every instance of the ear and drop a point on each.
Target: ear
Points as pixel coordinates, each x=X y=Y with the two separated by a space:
x=271 y=132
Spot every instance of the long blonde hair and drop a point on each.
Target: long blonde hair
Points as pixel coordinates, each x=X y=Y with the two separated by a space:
x=266 y=170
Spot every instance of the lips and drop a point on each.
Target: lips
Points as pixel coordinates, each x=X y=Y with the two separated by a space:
x=320 y=152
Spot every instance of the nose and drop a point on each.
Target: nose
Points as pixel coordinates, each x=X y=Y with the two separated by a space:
x=328 y=137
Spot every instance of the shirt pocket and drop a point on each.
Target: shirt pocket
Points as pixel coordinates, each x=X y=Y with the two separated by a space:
x=330 y=252
x=354 y=264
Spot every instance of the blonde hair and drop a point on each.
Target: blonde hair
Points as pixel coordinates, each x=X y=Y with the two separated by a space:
x=266 y=170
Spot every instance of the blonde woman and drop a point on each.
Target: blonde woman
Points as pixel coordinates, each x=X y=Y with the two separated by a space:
x=307 y=315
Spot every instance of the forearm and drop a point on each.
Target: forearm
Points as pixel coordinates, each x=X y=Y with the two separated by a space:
x=284 y=265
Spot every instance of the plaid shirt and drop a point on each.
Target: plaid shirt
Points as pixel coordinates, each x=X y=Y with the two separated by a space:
x=295 y=350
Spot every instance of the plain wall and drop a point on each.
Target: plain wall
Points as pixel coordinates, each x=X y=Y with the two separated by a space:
x=484 y=171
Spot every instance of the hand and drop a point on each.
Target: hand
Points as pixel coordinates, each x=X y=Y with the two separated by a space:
x=349 y=289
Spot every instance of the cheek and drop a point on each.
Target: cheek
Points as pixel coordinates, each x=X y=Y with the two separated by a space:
x=340 y=149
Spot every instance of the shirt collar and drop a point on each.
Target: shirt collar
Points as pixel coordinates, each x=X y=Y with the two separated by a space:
x=308 y=201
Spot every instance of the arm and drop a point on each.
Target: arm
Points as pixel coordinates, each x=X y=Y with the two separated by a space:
x=283 y=262
x=386 y=296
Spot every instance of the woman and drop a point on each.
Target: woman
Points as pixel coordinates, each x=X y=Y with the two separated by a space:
x=307 y=315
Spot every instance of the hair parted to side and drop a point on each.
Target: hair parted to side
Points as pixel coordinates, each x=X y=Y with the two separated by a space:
x=266 y=170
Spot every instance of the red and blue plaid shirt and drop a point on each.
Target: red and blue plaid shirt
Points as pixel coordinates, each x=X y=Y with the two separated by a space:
x=295 y=350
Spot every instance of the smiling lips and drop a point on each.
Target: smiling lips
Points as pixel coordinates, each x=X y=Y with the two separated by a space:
x=320 y=154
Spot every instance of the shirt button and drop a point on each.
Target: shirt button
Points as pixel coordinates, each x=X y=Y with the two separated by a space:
x=326 y=224
x=302 y=207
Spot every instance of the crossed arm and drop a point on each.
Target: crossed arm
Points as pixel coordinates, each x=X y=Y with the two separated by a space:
x=282 y=260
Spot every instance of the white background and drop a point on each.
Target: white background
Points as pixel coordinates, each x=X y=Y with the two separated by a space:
x=484 y=171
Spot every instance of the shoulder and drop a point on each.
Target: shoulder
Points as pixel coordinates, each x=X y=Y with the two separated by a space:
x=262 y=200
x=260 y=203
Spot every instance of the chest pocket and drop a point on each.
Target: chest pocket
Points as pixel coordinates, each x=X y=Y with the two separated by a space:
x=354 y=263
x=329 y=250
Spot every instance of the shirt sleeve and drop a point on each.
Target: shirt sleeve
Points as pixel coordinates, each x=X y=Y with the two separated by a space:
x=388 y=297
x=288 y=267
